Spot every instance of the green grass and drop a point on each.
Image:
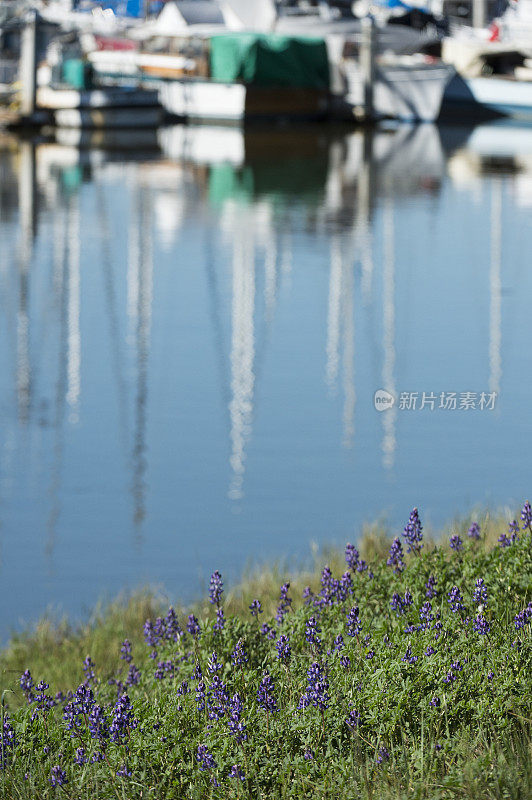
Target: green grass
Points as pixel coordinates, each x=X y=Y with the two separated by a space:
x=476 y=743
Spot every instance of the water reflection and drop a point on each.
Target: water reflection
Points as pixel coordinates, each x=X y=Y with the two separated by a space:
x=193 y=323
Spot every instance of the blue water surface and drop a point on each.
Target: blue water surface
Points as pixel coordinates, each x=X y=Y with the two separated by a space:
x=193 y=325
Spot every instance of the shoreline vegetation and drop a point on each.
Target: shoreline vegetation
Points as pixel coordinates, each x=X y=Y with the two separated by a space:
x=398 y=668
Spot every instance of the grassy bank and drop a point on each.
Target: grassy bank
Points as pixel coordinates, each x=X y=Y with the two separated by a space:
x=396 y=674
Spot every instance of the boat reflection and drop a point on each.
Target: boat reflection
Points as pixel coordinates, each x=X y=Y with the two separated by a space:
x=260 y=189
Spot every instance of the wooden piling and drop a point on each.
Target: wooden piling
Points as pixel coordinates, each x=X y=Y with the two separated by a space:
x=28 y=65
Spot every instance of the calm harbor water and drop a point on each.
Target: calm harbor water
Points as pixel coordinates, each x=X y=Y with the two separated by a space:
x=193 y=328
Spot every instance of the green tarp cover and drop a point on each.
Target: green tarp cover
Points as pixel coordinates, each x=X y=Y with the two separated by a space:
x=270 y=60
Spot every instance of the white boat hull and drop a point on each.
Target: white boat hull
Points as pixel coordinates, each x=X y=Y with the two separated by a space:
x=199 y=99
x=192 y=99
x=100 y=108
x=54 y=99
x=404 y=92
x=504 y=96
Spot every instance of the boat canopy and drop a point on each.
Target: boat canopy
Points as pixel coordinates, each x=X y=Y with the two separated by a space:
x=270 y=60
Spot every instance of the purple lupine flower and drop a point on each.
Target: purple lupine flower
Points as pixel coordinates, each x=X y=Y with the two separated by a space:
x=513 y=531
x=236 y=772
x=123 y=720
x=362 y=567
x=408 y=657
x=160 y=629
x=173 y=630
x=285 y=603
x=193 y=626
x=397 y=603
x=200 y=696
x=255 y=608
x=81 y=705
x=329 y=586
x=58 y=776
x=125 y=651
x=396 y=556
x=239 y=657
x=413 y=532
x=213 y=665
x=267 y=631
x=96 y=757
x=491 y=675
x=353 y=622
x=308 y=755
x=165 y=669
x=133 y=675
x=149 y=634
x=205 y=759
x=401 y=604
x=353 y=720
x=474 y=531
x=504 y=541
x=481 y=625
x=430 y=587
x=217 y=698
x=480 y=595
x=219 y=625
x=312 y=632
x=98 y=726
x=430 y=651
x=426 y=615
x=123 y=772
x=345 y=662
x=236 y=727
x=317 y=693
x=26 y=684
x=81 y=757
x=265 y=693
x=435 y=702
x=338 y=643
x=88 y=669
x=451 y=676
x=351 y=556
x=216 y=588
x=455 y=600
x=8 y=742
x=42 y=701
x=523 y=617
x=526 y=516
x=345 y=586
x=456 y=542
x=284 y=651
x=382 y=755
